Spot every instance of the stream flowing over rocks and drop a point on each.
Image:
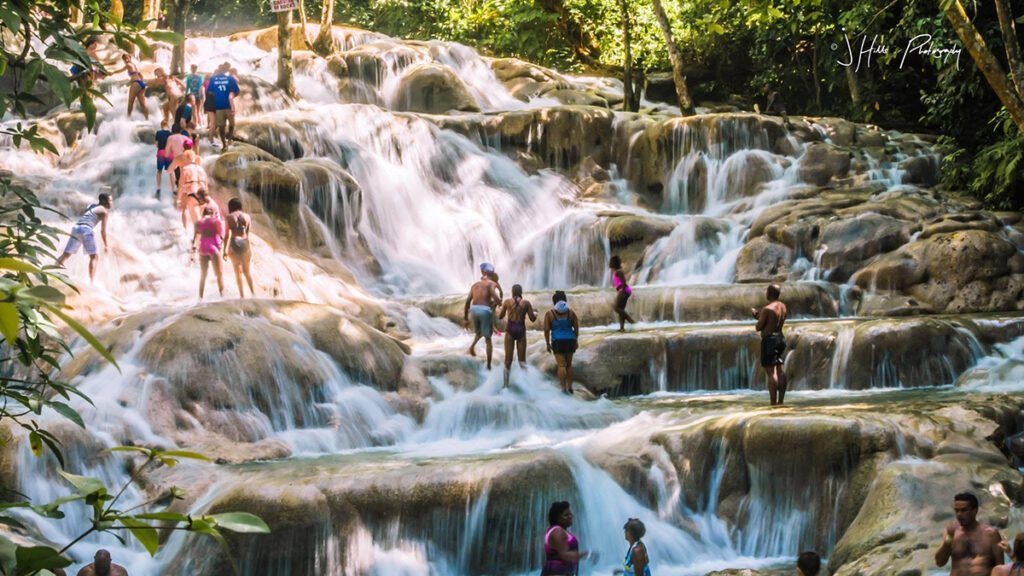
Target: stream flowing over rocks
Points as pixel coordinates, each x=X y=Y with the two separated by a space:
x=340 y=404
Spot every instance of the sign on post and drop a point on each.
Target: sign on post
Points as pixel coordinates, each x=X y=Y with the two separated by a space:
x=283 y=5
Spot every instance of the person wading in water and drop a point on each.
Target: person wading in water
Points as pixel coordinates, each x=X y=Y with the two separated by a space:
x=561 y=334
x=517 y=310
x=483 y=297
x=622 y=292
x=770 y=320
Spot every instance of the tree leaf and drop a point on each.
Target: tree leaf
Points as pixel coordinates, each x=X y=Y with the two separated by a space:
x=68 y=412
x=84 y=485
x=32 y=72
x=144 y=533
x=10 y=321
x=183 y=454
x=47 y=293
x=163 y=516
x=165 y=36
x=240 y=522
x=83 y=332
x=58 y=82
x=18 y=266
x=35 y=558
x=36 y=443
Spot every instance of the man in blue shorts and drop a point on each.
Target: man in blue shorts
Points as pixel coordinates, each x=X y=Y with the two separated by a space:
x=163 y=158
x=83 y=234
x=483 y=297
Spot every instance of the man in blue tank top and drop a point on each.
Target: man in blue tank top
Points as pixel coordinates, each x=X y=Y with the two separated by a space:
x=222 y=88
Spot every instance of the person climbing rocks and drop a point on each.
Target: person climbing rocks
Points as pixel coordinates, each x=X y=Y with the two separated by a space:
x=622 y=292
x=1015 y=567
x=808 y=564
x=483 y=297
x=973 y=546
x=517 y=310
x=561 y=335
x=770 y=320
x=137 y=86
x=102 y=566
x=222 y=89
x=194 y=88
x=184 y=113
x=83 y=233
x=191 y=177
x=636 y=562
x=775 y=104
x=175 y=147
x=209 y=236
x=236 y=244
x=163 y=160
x=561 y=548
x=174 y=89
x=493 y=275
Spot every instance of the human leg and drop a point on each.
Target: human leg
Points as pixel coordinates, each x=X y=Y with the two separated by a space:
x=509 y=347
x=204 y=263
x=218 y=270
x=521 y=350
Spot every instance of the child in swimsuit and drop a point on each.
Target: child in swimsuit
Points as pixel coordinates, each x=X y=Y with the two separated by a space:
x=622 y=292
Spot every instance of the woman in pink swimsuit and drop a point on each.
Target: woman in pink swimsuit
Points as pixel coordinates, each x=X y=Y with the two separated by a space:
x=622 y=292
x=209 y=235
x=561 y=548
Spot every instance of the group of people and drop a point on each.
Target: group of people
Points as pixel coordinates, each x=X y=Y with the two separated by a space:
x=561 y=325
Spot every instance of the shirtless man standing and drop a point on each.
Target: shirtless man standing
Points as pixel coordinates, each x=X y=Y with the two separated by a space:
x=518 y=310
x=483 y=297
x=973 y=546
x=102 y=566
x=770 y=320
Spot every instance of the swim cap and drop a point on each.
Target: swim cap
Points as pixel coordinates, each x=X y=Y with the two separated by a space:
x=487 y=268
x=187 y=145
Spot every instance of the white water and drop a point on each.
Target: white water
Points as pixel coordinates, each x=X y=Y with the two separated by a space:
x=433 y=205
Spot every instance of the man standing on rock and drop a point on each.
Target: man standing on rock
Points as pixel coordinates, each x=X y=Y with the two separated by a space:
x=102 y=566
x=83 y=233
x=222 y=89
x=483 y=298
x=973 y=546
x=770 y=320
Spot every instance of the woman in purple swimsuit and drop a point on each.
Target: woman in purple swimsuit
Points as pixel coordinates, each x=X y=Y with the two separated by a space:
x=622 y=292
x=561 y=548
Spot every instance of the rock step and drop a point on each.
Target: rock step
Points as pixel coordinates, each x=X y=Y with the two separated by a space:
x=698 y=303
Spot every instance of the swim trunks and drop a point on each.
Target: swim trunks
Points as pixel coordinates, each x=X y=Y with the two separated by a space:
x=773 y=348
x=483 y=320
x=81 y=235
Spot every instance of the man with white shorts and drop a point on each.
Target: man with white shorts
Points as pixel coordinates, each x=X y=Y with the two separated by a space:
x=83 y=233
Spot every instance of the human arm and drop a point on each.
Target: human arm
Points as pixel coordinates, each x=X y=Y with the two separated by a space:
x=547 y=330
x=495 y=294
x=465 y=311
x=501 y=310
x=227 y=239
x=575 y=324
x=531 y=312
x=995 y=544
x=762 y=318
x=946 y=549
x=103 y=230
x=639 y=558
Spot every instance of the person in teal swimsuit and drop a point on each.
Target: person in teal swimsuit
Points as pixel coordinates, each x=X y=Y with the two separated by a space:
x=636 y=562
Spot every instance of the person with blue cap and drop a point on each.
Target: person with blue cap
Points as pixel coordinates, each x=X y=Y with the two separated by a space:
x=483 y=298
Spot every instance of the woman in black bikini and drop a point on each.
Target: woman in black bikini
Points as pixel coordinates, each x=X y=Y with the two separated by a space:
x=517 y=311
x=137 y=88
x=237 y=246
x=1016 y=566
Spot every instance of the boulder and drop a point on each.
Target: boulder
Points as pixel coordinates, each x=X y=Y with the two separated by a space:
x=629 y=235
x=840 y=131
x=432 y=89
x=922 y=170
x=762 y=260
x=576 y=98
x=849 y=242
x=822 y=162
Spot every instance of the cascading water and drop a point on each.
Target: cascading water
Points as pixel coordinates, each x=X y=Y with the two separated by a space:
x=398 y=204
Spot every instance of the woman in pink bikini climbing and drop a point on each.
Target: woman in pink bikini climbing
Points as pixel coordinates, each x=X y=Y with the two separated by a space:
x=622 y=292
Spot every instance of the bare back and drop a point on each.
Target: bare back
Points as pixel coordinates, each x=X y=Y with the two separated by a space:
x=772 y=318
x=115 y=570
x=484 y=293
x=518 y=312
x=973 y=552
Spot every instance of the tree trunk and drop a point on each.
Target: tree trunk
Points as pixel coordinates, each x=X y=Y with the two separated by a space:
x=78 y=13
x=324 y=43
x=630 y=101
x=1009 y=29
x=284 y=53
x=678 y=74
x=582 y=42
x=851 y=80
x=986 y=61
x=302 y=19
x=117 y=10
x=181 y=10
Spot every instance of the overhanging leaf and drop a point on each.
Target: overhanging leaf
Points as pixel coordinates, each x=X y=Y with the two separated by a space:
x=240 y=522
x=68 y=412
x=35 y=558
x=82 y=484
x=83 y=332
x=9 y=322
x=144 y=533
x=48 y=293
x=18 y=266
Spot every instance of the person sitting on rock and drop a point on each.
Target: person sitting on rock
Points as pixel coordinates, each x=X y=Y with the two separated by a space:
x=102 y=566
x=973 y=546
x=776 y=105
x=1016 y=565
x=808 y=564
x=518 y=310
x=483 y=297
x=770 y=320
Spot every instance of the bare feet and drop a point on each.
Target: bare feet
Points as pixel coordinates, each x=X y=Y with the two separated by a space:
x=471 y=352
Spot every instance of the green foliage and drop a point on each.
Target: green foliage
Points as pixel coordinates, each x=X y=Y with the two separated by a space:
x=996 y=172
